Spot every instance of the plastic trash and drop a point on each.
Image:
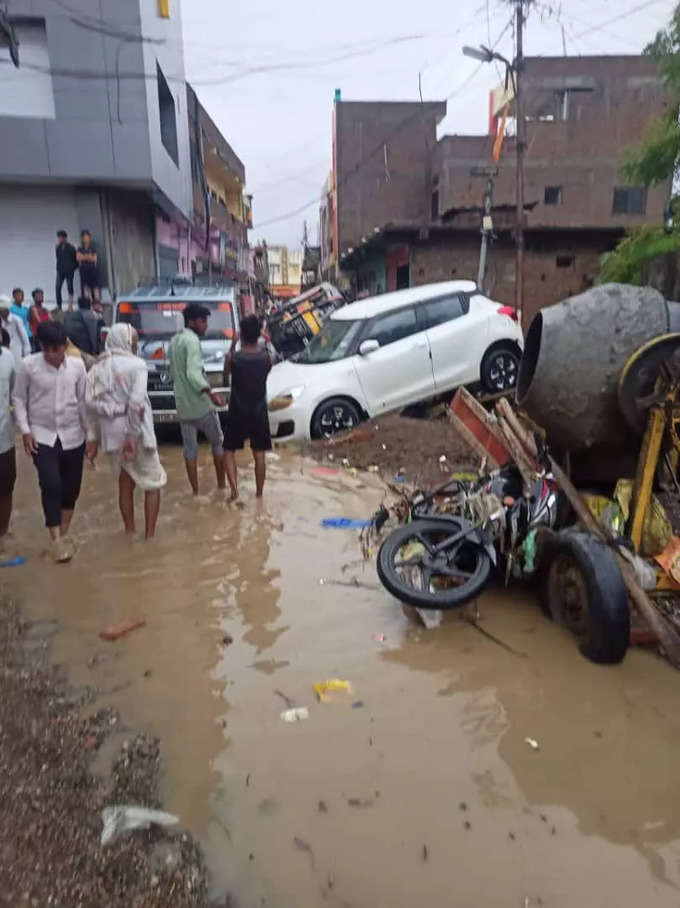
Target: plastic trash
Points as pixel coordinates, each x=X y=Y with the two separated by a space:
x=13 y=562
x=328 y=691
x=533 y=744
x=669 y=559
x=119 y=820
x=325 y=471
x=116 y=631
x=643 y=570
x=298 y=714
x=529 y=548
x=344 y=523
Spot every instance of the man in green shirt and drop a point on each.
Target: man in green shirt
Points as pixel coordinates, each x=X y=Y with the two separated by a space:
x=195 y=399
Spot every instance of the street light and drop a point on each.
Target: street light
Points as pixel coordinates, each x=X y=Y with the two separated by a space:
x=481 y=53
x=512 y=73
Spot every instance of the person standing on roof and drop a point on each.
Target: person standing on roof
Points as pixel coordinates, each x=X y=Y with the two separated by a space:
x=88 y=263
x=196 y=401
x=67 y=264
x=19 y=344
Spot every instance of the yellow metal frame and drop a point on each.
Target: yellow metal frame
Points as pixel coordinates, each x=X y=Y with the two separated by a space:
x=648 y=462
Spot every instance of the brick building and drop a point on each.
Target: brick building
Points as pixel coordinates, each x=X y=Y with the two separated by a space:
x=581 y=112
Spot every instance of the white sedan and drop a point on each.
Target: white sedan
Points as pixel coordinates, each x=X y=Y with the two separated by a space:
x=390 y=351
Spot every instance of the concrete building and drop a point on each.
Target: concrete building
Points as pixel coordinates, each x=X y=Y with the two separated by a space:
x=285 y=271
x=581 y=114
x=95 y=127
x=213 y=244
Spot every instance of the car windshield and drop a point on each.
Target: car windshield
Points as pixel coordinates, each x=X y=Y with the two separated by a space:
x=163 y=319
x=333 y=341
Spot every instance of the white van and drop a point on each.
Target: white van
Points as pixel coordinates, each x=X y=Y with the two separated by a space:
x=390 y=351
x=156 y=313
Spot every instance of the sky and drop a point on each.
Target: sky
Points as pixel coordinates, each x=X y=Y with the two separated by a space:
x=266 y=71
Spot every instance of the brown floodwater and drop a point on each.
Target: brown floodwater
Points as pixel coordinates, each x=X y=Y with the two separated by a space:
x=424 y=793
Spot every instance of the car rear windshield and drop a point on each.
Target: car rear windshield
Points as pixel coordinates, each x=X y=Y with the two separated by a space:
x=160 y=319
x=334 y=341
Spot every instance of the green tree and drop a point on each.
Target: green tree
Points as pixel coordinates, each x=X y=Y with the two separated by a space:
x=656 y=160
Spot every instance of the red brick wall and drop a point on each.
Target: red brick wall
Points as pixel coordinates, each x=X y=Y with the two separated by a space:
x=371 y=191
x=545 y=283
x=582 y=154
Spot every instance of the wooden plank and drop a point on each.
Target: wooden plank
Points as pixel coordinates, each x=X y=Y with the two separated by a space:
x=479 y=429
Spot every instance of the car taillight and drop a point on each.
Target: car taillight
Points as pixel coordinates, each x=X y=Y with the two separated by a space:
x=509 y=311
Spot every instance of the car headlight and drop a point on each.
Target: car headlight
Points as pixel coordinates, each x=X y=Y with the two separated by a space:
x=281 y=401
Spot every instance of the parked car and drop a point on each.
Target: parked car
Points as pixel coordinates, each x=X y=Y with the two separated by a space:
x=156 y=313
x=390 y=351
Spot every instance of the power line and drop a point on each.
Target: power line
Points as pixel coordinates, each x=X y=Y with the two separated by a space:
x=617 y=18
x=380 y=145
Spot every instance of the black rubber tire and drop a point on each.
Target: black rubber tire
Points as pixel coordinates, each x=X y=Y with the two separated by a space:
x=583 y=589
x=505 y=354
x=452 y=597
x=350 y=409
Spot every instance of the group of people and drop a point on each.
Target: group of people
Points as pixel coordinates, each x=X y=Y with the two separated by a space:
x=84 y=259
x=83 y=325
x=66 y=413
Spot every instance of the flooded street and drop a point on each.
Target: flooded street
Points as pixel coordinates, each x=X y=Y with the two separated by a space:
x=419 y=788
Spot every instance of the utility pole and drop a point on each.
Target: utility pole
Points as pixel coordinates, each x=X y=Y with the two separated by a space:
x=520 y=142
x=487 y=230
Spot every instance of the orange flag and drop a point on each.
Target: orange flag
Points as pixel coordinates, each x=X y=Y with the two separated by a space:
x=500 y=135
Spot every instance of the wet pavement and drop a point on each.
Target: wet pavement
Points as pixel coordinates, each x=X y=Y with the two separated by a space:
x=419 y=788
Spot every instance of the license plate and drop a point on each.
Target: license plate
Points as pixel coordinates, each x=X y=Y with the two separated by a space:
x=165 y=417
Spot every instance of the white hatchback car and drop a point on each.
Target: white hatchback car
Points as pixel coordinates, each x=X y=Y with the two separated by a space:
x=390 y=351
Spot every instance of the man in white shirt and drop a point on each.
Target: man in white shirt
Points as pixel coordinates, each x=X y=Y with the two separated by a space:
x=49 y=406
x=8 y=463
x=19 y=343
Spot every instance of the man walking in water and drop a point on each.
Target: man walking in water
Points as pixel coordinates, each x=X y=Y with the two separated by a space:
x=49 y=406
x=195 y=399
x=118 y=401
x=247 y=417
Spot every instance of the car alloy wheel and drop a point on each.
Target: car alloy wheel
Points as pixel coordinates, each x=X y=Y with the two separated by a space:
x=502 y=372
x=337 y=417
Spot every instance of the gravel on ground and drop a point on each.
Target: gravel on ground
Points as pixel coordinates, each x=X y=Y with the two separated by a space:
x=50 y=851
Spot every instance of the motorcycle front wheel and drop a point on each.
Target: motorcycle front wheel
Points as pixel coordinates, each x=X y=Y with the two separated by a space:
x=415 y=567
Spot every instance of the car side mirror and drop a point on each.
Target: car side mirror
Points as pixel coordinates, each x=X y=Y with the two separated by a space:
x=368 y=346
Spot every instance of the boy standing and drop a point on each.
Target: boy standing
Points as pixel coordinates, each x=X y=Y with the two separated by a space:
x=88 y=263
x=49 y=406
x=196 y=401
x=17 y=308
x=66 y=267
x=37 y=314
x=247 y=417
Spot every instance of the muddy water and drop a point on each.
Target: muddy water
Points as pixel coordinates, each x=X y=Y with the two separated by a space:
x=426 y=793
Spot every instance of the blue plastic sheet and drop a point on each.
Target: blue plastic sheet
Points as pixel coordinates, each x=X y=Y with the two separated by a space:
x=344 y=523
